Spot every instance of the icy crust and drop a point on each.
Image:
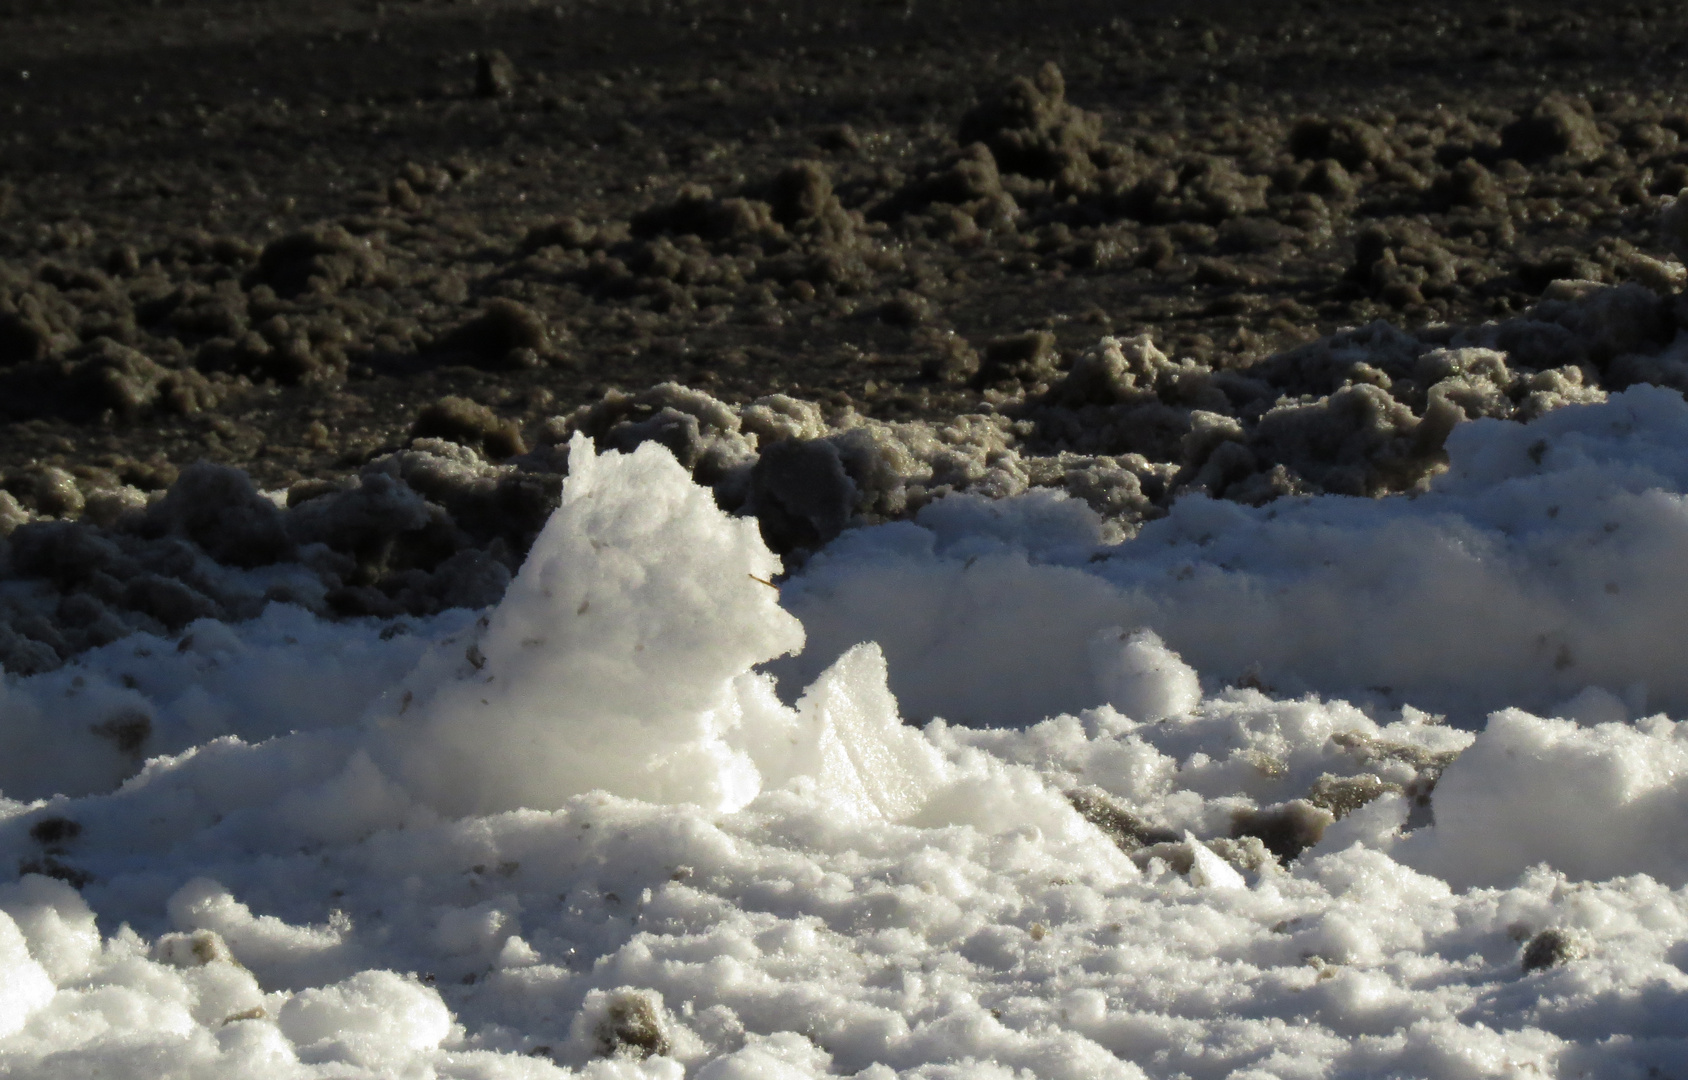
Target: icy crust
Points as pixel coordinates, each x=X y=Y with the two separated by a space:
x=1544 y=562
x=1164 y=882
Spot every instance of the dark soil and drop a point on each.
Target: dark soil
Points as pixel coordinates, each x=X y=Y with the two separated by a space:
x=291 y=237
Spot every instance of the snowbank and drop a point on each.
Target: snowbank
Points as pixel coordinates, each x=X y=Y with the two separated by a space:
x=1545 y=561
x=583 y=835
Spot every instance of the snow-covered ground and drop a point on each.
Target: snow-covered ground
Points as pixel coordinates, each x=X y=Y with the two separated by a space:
x=1332 y=787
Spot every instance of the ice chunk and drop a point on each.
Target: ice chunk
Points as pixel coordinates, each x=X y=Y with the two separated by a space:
x=786 y=1056
x=374 y=1018
x=850 y=740
x=1593 y=705
x=1138 y=675
x=56 y=922
x=610 y=662
x=24 y=984
x=1593 y=802
x=290 y=955
x=1208 y=870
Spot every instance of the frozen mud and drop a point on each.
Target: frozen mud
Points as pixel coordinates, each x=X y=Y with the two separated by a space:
x=581 y=834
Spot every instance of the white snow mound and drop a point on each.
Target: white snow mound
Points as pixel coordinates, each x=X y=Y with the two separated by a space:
x=610 y=662
x=581 y=835
x=1546 y=560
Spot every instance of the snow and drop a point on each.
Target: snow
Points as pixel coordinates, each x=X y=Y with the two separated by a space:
x=1544 y=562
x=611 y=662
x=1621 y=807
x=1331 y=787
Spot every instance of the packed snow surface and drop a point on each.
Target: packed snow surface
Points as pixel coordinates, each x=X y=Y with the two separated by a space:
x=1332 y=787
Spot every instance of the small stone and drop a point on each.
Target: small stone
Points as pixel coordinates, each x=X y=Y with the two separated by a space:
x=495 y=75
x=1550 y=948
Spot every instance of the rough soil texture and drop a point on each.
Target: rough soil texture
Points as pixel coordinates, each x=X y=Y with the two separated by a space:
x=298 y=300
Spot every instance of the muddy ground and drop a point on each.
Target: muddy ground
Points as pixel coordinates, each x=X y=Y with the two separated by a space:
x=292 y=237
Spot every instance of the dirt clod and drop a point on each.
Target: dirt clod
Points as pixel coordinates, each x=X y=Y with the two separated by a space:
x=495 y=75
x=1549 y=949
x=471 y=423
x=631 y=1027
